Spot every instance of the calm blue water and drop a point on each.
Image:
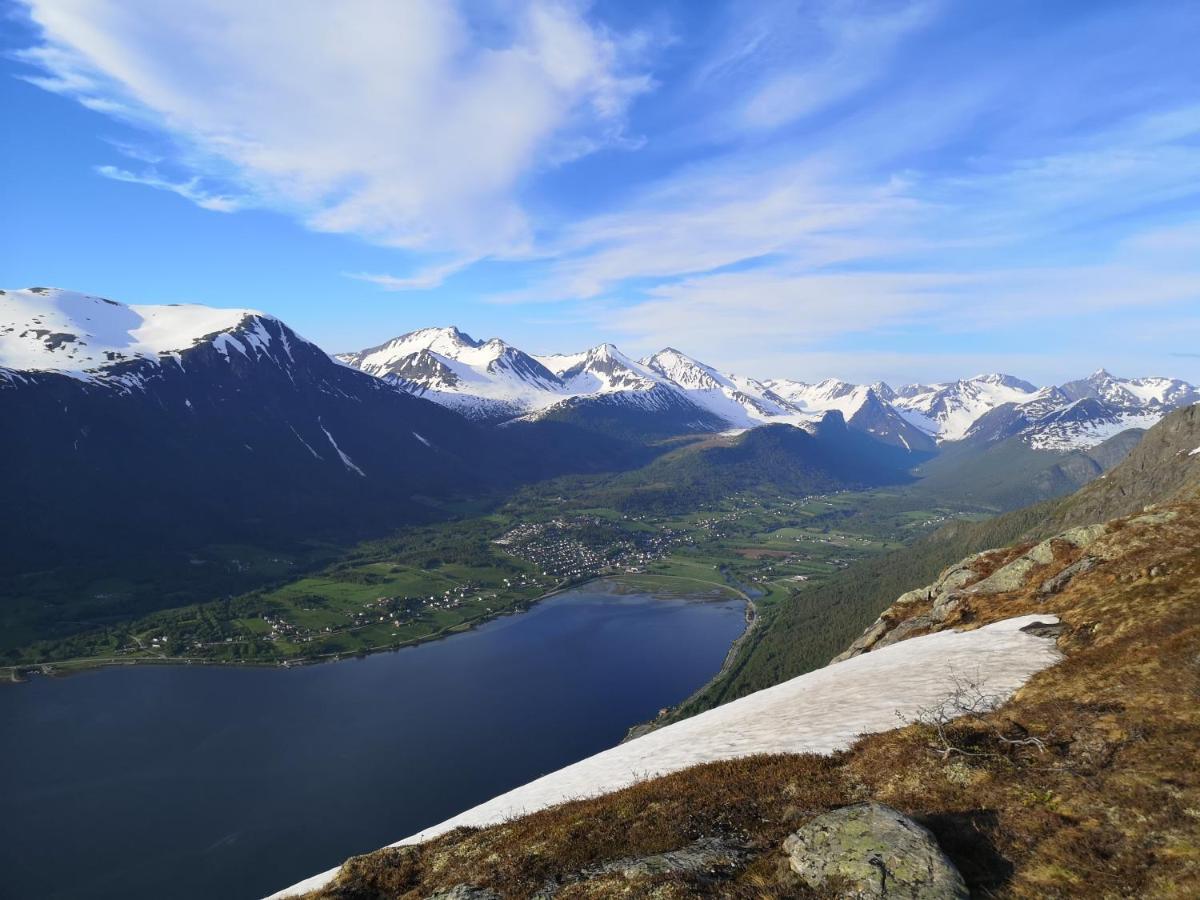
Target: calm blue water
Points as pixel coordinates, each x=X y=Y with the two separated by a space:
x=209 y=782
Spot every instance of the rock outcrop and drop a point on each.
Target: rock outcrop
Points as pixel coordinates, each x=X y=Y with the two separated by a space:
x=1051 y=564
x=465 y=892
x=870 y=850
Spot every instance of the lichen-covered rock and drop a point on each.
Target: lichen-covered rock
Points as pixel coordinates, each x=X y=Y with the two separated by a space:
x=465 y=892
x=1043 y=553
x=1011 y=577
x=906 y=629
x=1060 y=580
x=1083 y=535
x=957 y=576
x=871 y=850
x=1045 y=629
x=946 y=605
x=706 y=856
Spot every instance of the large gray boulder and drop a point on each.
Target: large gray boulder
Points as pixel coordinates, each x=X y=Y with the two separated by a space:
x=870 y=850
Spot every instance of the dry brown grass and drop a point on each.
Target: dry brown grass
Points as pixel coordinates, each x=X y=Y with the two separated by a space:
x=1108 y=807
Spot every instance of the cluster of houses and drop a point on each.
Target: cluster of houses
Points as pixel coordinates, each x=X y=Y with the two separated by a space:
x=562 y=547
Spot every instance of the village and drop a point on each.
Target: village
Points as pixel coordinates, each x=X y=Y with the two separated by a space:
x=579 y=547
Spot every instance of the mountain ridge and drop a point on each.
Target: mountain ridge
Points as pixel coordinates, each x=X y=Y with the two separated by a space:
x=984 y=408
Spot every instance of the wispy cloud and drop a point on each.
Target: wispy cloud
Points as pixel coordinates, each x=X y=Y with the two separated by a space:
x=423 y=279
x=805 y=58
x=189 y=190
x=793 y=177
x=393 y=122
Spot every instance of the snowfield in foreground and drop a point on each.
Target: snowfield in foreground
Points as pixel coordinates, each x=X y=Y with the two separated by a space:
x=820 y=712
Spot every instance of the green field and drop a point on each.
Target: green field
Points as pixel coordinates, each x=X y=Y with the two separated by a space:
x=428 y=581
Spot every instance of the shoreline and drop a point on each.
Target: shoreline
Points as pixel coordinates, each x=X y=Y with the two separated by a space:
x=67 y=667
x=17 y=675
x=752 y=620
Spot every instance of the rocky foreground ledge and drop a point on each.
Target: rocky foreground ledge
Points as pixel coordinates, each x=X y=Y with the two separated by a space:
x=1080 y=783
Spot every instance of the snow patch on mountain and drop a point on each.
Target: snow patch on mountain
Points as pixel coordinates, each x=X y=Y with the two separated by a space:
x=821 y=712
x=1067 y=435
x=48 y=329
x=955 y=406
x=740 y=401
x=824 y=396
x=479 y=379
x=346 y=460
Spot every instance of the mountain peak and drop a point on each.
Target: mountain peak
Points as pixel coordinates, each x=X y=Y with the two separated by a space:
x=438 y=334
x=44 y=328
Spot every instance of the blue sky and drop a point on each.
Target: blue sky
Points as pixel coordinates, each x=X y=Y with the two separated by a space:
x=900 y=190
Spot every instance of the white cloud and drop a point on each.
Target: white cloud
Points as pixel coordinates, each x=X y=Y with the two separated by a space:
x=853 y=48
x=781 y=320
x=189 y=190
x=423 y=279
x=753 y=256
x=721 y=215
x=408 y=124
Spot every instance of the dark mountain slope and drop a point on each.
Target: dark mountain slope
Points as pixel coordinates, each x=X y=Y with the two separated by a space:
x=636 y=417
x=1009 y=473
x=779 y=458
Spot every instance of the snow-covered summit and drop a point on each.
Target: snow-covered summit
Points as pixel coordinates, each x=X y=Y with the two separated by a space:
x=495 y=381
x=824 y=396
x=1132 y=393
x=49 y=329
x=481 y=379
x=948 y=410
x=605 y=369
x=741 y=401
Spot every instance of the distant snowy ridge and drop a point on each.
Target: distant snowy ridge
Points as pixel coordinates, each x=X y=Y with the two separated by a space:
x=47 y=329
x=820 y=712
x=95 y=339
x=950 y=410
x=492 y=380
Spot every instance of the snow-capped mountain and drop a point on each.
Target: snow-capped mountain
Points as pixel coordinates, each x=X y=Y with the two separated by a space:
x=601 y=370
x=52 y=330
x=865 y=407
x=949 y=410
x=180 y=424
x=1131 y=393
x=492 y=381
x=742 y=402
x=1082 y=414
x=484 y=380
x=495 y=382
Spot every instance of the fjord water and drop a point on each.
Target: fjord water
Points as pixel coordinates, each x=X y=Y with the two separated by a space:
x=222 y=782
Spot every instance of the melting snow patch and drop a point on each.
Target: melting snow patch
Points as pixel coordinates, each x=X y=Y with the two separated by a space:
x=820 y=712
x=346 y=461
x=309 y=448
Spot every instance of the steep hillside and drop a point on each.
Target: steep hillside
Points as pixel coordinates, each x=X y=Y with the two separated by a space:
x=823 y=619
x=1083 y=784
x=1164 y=466
x=1007 y=473
x=828 y=456
x=162 y=455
